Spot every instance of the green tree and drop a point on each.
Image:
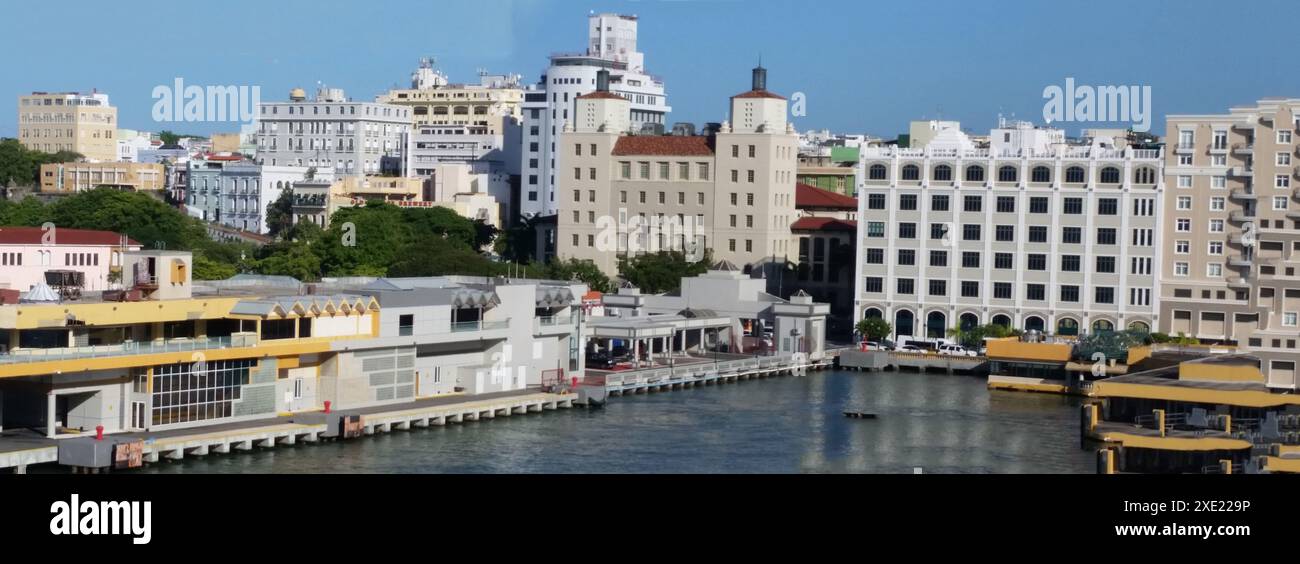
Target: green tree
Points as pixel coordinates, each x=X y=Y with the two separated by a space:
x=168 y=137
x=660 y=272
x=279 y=213
x=583 y=270
x=873 y=328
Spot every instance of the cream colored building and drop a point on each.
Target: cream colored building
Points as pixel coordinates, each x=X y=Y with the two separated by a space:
x=731 y=193
x=484 y=107
x=1232 y=232
x=78 y=177
x=68 y=121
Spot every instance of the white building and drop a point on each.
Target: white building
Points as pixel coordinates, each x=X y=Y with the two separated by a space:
x=611 y=45
x=1030 y=233
x=330 y=132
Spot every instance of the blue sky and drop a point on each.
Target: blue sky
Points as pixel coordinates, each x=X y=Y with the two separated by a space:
x=865 y=66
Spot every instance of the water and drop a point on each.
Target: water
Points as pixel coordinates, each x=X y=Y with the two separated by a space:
x=940 y=423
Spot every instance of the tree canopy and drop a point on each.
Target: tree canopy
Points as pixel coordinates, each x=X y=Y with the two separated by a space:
x=656 y=273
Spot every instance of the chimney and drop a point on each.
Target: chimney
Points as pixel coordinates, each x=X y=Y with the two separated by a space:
x=602 y=80
x=760 y=78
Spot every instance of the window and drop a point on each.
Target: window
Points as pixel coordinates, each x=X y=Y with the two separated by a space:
x=1036 y=261
x=974 y=173
x=972 y=203
x=938 y=258
x=907 y=230
x=1106 y=236
x=1284 y=136
x=1006 y=204
x=877 y=172
x=907 y=201
x=1183 y=203
x=1071 y=235
x=970 y=259
x=1072 y=206
x=874 y=285
x=942 y=173
x=1110 y=175
x=1040 y=174
x=939 y=202
x=1107 y=206
x=906 y=286
x=911 y=172
x=938 y=287
x=1005 y=233
x=1214 y=269
x=1216 y=226
x=1282 y=181
x=1144 y=175
x=1036 y=292
x=1070 y=263
x=1007 y=173
x=1075 y=175
x=1183 y=225
x=1279 y=202
x=1105 y=265
x=1004 y=261
x=1037 y=233
x=1104 y=295
x=1038 y=204
x=1001 y=290
x=1180 y=269
x=875 y=256
x=875 y=201
x=1069 y=293
x=906 y=257
x=1184 y=181
x=937 y=230
x=1284 y=159
x=970 y=289
x=1215 y=248
x=970 y=232
x=875 y=229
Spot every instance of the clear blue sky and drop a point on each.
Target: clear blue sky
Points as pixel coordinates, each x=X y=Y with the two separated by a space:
x=866 y=67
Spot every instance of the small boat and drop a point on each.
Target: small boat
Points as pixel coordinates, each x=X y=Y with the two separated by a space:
x=859 y=415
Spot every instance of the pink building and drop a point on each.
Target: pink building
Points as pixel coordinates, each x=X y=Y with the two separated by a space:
x=26 y=253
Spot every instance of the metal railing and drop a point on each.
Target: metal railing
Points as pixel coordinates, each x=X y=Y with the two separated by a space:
x=695 y=371
x=25 y=355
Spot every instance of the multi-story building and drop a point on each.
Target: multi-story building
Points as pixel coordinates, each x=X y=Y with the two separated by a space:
x=489 y=106
x=731 y=192
x=27 y=253
x=69 y=121
x=166 y=353
x=235 y=192
x=823 y=235
x=331 y=132
x=81 y=176
x=1232 y=233
x=315 y=200
x=1030 y=233
x=549 y=105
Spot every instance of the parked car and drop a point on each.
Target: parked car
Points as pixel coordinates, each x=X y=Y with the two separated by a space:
x=955 y=350
x=600 y=361
x=910 y=349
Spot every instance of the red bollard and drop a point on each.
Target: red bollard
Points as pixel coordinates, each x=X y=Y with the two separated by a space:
x=575 y=381
x=99 y=432
x=327 y=406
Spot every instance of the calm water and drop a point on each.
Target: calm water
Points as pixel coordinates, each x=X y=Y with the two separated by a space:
x=944 y=424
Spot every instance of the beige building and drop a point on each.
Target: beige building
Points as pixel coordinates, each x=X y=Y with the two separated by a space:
x=731 y=193
x=78 y=177
x=484 y=107
x=1232 y=232
x=68 y=121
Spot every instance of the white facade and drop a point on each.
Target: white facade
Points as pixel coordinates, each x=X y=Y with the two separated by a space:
x=330 y=132
x=611 y=45
x=1055 y=238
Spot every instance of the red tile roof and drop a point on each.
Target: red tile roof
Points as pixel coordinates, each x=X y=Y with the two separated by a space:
x=806 y=196
x=601 y=95
x=664 y=145
x=759 y=94
x=62 y=236
x=823 y=224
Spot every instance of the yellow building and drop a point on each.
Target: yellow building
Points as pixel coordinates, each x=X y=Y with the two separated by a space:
x=316 y=200
x=484 y=107
x=78 y=177
x=68 y=121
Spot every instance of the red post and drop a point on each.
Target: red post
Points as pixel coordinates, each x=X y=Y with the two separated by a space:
x=575 y=381
x=327 y=406
x=99 y=432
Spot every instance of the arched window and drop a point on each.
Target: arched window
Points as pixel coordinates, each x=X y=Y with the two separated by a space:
x=903 y=322
x=974 y=173
x=942 y=173
x=1139 y=326
x=1007 y=173
x=1002 y=320
x=1102 y=326
x=460 y=110
x=1110 y=175
x=1144 y=175
x=1075 y=175
x=936 y=325
x=877 y=172
x=911 y=172
x=1034 y=323
x=440 y=110
x=872 y=313
x=968 y=321
x=1067 y=326
x=1040 y=174
x=421 y=111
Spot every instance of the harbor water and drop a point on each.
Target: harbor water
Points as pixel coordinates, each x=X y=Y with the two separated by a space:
x=936 y=422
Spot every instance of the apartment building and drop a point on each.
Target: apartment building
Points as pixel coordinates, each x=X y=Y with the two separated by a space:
x=81 y=176
x=488 y=106
x=553 y=101
x=331 y=132
x=27 y=253
x=1029 y=232
x=1232 y=234
x=69 y=121
x=731 y=192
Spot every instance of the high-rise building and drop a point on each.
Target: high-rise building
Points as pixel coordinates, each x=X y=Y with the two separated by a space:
x=731 y=191
x=552 y=102
x=1029 y=232
x=1232 y=233
x=69 y=121
x=331 y=131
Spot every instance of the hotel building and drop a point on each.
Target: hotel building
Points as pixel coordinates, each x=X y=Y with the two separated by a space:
x=68 y=121
x=1232 y=233
x=331 y=132
x=733 y=191
x=553 y=102
x=1030 y=233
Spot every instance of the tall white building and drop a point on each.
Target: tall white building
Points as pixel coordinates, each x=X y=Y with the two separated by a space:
x=331 y=132
x=611 y=46
x=1029 y=233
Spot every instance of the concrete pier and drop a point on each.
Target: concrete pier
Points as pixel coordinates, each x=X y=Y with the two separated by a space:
x=697 y=370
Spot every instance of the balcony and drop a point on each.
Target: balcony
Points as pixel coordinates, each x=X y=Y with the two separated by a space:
x=1184 y=148
x=15 y=356
x=1219 y=149
x=1241 y=216
x=1241 y=171
x=1242 y=194
x=1238 y=282
x=1293 y=215
x=1243 y=149
x=555 y=325
x=1240 y=261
